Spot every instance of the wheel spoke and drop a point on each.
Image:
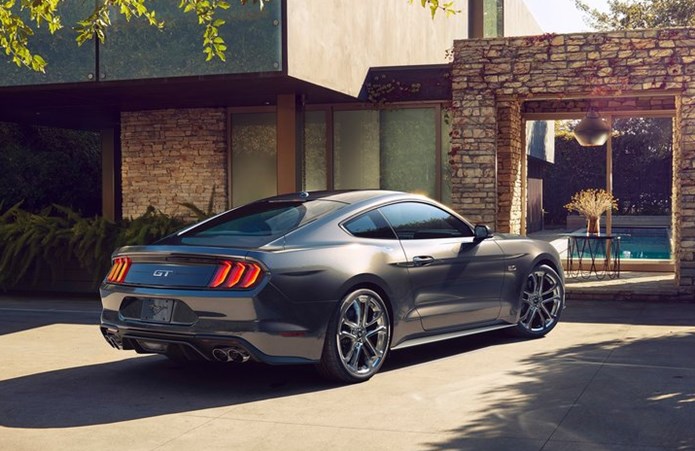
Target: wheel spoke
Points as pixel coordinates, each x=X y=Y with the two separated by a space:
x=551 y=289
x=370 y=347
x=357 y=306
x=549 y=315
x=375 y=319
x=345 y=334
x=375 y=331
x=542 y=316
x=529 y=317
x=348 y=356
x=354 y=360
x=365 y=311
x=350 y=324
x=539 y=276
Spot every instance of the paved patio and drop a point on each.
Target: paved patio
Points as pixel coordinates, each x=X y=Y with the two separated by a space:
x=612 y=376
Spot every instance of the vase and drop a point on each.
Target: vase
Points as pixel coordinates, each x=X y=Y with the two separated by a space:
x=593 y=225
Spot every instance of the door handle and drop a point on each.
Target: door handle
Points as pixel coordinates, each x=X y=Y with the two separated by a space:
x=422 y=260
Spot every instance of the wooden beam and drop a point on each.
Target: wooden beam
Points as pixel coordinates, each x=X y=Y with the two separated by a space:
x=588 y=95
x=288 y=143
x=550 y=116
x=476 y=16
x=111 y=174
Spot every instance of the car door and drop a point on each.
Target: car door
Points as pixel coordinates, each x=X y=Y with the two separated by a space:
x=456 y=280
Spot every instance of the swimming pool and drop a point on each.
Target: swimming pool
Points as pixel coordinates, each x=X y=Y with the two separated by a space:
x=641 y=243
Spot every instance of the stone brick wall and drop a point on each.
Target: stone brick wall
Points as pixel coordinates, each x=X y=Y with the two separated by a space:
x=473 y=159
x=509 y=167
x=489 y=73
x=173 y=156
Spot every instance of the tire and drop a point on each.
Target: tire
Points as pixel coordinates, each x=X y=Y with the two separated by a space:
x=541 y=302
x=357 y=338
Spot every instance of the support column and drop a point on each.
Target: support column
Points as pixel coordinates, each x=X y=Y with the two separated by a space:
x=683 y=233
x=290 y=125
x=609 y=175
x=473 y=158
x=111 y=174
x=476 y=19
x=510 y=171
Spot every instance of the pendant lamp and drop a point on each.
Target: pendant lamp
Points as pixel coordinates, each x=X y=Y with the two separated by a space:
x=593 y=130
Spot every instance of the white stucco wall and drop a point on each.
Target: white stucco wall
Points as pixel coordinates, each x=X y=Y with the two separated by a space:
x=518 y=20
x=334 y=43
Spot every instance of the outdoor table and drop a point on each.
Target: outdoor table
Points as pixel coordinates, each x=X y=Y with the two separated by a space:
x=597 y=254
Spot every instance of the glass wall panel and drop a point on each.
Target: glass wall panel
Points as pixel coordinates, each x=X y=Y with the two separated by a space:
x=254 y=157
x=314 y=151
x=493 y=18
x=408 y=141
x=66 y=62
x=135 y=50
x=356 y=149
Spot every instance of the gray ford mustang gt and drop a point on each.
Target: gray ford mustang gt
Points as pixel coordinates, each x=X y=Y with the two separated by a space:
x=332 y=278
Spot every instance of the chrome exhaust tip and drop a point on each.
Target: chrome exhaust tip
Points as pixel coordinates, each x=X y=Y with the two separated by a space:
x=231 y=354
x=113 y=340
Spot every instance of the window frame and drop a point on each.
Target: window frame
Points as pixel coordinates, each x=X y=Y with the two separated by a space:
x=378 y=208
x=467 y=226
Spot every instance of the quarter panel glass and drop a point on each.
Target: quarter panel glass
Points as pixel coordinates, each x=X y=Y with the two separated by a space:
x=370 y=225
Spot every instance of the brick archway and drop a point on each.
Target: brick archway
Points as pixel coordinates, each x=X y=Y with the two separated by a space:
x=498 y=82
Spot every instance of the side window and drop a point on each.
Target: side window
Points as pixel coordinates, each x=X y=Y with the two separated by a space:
x=370 y=225
x=419 y=221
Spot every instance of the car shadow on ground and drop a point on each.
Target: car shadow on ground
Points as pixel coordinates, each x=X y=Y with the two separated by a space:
x=150 y=386
x=626 y=394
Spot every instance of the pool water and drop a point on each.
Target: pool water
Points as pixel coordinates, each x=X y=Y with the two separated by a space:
x=643 y=242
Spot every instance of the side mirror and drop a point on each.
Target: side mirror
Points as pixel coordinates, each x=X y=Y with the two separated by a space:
x=482 y=232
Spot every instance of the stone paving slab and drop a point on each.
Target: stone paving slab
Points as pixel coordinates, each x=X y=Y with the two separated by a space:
x=610 y=376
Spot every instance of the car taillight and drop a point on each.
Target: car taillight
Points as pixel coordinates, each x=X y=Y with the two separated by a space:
x=119 y=270
x=234 y=274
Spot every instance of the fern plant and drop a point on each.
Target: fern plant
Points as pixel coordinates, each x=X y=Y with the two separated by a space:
x=199 y=214
x=34 y=244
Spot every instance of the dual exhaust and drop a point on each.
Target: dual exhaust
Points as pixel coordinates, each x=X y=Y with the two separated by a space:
x=231 y=354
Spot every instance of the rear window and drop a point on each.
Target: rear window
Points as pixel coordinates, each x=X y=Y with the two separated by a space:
x=254 y=224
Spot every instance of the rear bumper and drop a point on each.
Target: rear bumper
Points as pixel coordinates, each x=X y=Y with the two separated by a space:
x=301 y=350
x=266 y=325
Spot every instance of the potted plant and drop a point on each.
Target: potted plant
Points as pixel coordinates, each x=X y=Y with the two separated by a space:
x=592 y=203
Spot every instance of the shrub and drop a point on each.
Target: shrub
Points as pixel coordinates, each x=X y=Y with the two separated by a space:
x=33 y=244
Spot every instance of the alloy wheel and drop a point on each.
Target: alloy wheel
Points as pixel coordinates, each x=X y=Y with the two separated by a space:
x=541 y=300
x=363 y=333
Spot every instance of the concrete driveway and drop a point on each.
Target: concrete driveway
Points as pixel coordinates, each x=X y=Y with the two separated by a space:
x=611 y=376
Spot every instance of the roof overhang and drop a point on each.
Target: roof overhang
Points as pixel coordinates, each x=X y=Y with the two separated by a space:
x=99 y=104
